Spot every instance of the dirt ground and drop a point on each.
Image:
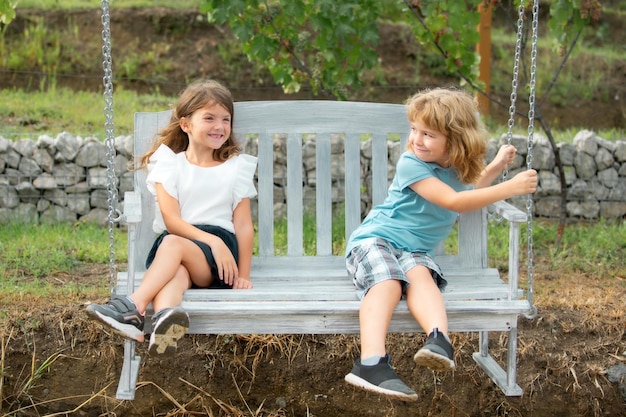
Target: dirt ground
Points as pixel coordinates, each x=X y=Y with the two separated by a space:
x=57 y=362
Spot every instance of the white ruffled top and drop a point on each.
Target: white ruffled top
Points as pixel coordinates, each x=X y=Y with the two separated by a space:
x=206 y=195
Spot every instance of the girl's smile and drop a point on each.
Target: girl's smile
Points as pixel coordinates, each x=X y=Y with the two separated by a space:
x=208 y=129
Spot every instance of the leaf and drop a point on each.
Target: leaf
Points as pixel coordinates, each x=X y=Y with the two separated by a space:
x=262 y=47
x=7 y=11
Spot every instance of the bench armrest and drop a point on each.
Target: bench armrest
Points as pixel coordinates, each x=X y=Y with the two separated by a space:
x=132 y=207
x=132 y=216
x=515 y=217
x=508 y=212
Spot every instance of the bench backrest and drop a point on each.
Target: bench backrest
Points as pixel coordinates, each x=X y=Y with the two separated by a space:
x=285 y=123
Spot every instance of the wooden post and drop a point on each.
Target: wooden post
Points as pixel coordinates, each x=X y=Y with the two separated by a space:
x=484 y=51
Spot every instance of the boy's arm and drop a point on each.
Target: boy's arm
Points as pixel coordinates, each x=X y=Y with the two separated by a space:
x=504 y=158
x=441 y=194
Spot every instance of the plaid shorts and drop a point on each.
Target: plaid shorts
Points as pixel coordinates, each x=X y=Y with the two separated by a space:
x=376 y=260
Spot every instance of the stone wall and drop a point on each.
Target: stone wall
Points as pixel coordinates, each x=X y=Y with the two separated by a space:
x=65 y=178
x=62 y=179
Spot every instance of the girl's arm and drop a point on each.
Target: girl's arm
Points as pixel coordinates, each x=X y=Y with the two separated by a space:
x=441 y=194
x=170 y=210
x=244 y=232
x=503 y=159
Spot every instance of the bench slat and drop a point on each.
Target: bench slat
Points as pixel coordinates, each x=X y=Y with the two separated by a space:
x=339 y=317
x=352 y=203
x=320 y=307
x=323 y=195
x=294 y=196
x=380 y=182
x=463 y=285
x=265 y=196
x=335 y=324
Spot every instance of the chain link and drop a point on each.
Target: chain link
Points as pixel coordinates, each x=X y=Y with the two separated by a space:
x=515 y=80
x=529 y=157
x=114 y=214
x=514 y=83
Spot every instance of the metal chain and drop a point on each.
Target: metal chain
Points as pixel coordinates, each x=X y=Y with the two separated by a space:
x=529 y=157
x=114 y=214
x=514 y=82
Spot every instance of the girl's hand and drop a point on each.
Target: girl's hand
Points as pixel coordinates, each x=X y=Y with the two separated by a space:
x=242 y=283
x=505 y=156
x=524 y=183
x=226 y=264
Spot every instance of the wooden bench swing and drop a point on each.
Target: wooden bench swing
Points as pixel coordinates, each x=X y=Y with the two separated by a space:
x=297 y=293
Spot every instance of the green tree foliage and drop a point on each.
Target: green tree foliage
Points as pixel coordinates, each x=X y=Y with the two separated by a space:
x=450 y=28
x=329 y=44
x=325 y=43
x=569 y=17
x=7 y=12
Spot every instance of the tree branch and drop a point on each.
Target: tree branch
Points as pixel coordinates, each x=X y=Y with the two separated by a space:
x=560 y=68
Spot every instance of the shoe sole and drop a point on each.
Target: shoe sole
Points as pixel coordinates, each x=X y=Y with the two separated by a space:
x=433 y=361
x=168 y=330
x=359 y=382
x=125 y=330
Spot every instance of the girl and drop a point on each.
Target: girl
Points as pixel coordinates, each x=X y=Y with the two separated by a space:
x=202 y=186
x=390 y=254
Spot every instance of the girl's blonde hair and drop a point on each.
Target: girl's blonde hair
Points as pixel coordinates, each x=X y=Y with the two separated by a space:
x=197 y=95
x=453 y=113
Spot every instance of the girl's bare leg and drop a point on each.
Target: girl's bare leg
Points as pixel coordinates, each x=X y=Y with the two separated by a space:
x=172 y=293
x=173 y=254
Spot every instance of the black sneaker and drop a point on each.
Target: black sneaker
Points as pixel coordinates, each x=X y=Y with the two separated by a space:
x=437 y=353
x=168 y=325
x=121 y=315
x=380 y=378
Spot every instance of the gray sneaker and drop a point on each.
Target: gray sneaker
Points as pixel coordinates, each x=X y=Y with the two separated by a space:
x=381 y=379
x=168 y=325
x=437 y=353
x=121 y=316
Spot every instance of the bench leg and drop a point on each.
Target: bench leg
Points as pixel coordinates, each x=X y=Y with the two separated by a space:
x=130 y=371
x=506 y=380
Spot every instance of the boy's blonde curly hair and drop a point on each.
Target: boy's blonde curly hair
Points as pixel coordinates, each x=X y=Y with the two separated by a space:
x=454 y=113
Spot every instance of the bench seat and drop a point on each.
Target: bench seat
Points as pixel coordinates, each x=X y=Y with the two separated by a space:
x=319 y=294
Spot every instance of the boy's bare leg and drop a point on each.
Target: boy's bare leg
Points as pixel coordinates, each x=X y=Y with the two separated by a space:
x=373 y=371
x=375 y=315
x=427 y=306
x=425 y=301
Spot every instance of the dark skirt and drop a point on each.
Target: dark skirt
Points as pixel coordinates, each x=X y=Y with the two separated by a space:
x=227 y=237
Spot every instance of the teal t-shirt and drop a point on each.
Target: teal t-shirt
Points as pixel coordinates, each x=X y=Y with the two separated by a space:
x=405 y=219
